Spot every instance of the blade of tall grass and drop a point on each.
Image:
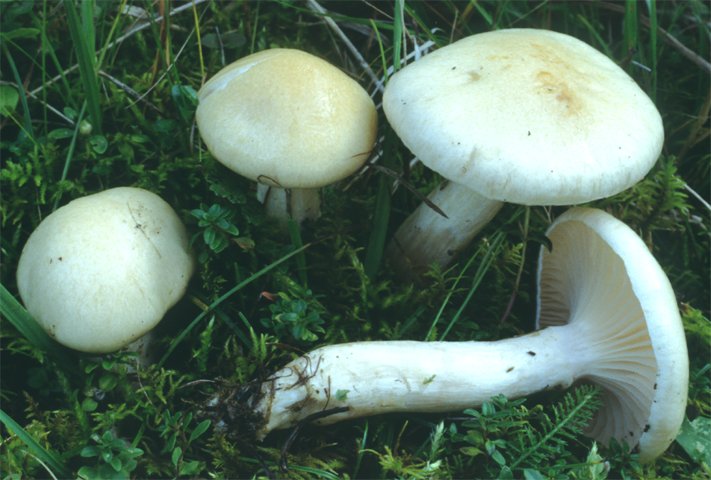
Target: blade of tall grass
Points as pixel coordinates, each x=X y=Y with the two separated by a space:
x=653 y=38
x=631 y=26
x=198 y=37
x=26 y=118
x=490 y=254
x=438 y=316
x=16 y=314
x=70 y=152
x=177 y=340
x=297 y=243
x=87 y=64
x=398 y=33
x=59 y=469
x=379 y=231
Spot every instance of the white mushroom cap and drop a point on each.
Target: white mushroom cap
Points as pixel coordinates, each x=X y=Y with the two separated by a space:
x=286 y=118
x=102 y=271
x=601 y=273
x=526 y=116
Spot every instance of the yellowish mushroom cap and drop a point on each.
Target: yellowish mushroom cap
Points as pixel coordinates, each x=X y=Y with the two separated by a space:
x=286 y=118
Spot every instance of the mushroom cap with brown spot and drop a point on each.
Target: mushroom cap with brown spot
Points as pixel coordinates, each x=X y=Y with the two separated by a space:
x=526 y=116
x=102 y=271
x=286 y=118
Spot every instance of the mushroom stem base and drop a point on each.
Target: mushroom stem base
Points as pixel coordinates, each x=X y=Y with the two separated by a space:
x=282 y=204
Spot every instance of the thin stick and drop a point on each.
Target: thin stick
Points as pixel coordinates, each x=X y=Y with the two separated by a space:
x=316 y=7
x=683 y=49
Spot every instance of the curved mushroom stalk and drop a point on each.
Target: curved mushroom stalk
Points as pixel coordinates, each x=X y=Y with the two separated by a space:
x=426 y=237
x=611 y=319
x=283 y=204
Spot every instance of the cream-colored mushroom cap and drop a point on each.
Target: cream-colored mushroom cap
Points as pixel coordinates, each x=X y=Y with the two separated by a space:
x=526 y=116
x=101 y=271
x=601 y=276
x=286 y=118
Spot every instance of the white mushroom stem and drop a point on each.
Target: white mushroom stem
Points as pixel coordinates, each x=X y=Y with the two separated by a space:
x=369 y=378
x=426 y=237
x=282 y=204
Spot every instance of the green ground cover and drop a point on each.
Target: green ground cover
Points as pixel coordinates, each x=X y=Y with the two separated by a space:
x=98 y=94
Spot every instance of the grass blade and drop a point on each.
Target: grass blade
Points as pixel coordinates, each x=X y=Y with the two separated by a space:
x=489 y=256
x=26 y=119
x=50 y=459
x=297 y=243
x=87 y=65
x=381 y=218
x=16 y=314
x=224 y=297
x=653 y=26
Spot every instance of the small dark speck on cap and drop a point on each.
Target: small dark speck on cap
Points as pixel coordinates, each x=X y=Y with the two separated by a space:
x=531 y=353
x=509 y=369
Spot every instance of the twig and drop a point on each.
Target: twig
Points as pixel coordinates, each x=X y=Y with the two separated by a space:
x=49 y=107
x=683 y=49
x=131 y=92
x=316 y=7
x=698 y=197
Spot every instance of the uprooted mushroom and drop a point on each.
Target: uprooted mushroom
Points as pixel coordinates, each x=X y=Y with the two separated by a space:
x=607 y=315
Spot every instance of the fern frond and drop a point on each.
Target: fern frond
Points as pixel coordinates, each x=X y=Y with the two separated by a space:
x=568 y=420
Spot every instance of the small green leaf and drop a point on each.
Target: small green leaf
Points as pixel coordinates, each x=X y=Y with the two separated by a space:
x=26 y=32
x=695 y=439
x=9 y=97
x=199 y=430
x=108 y=382
x=471 y=451
x=99 y=144
x=341 y=395
x=531 y=474
x=175 y=456
x=90 y=451
x=116 y=464
x=89 y=405
x=60 y=134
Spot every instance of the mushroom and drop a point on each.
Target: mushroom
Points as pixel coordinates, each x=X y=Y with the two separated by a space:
x=290 y=121
x=527 y=116
x=608 y=316
x=101 y=271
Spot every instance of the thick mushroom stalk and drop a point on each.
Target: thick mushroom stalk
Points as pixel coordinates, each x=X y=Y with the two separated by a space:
x=611 y=319
x=417 y=243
